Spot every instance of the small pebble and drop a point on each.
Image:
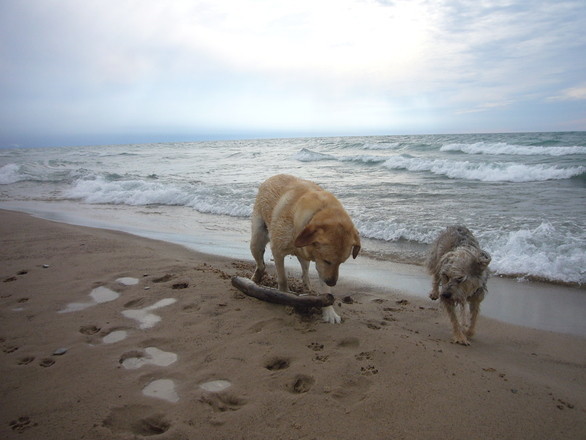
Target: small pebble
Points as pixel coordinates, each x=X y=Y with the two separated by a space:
x=60 y=351
x=46 y=266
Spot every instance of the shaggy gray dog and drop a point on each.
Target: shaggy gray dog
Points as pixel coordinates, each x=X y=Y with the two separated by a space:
x=459 y=270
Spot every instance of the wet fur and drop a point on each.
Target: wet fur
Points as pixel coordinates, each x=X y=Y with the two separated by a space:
x=299 y=218
x=459 y=270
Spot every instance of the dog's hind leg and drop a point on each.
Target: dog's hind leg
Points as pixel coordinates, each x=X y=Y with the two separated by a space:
x=457 y=336
x=304 y=272
x=258 y=242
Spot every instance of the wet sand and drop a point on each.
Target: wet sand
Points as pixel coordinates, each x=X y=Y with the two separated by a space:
x=181 y=354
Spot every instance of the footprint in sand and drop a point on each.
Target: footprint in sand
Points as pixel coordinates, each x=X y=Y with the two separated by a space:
x=162 y=389
x=278 y=363
x=115 y=336
x=26 y=360
x=21 y=424
x=144 y=315
x=99 y=295
x=110 y=338
x=215 y=386
x=47 y=362
x=302 y=383
x=127 y=281
x=89 y=330
x=221 y=401
x=137 y=420
x=10 y=348
x=152 y=355
x=315 y=346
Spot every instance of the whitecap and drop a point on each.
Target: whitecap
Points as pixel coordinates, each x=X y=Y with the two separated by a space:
x=140 y=193
x=10 y=174
x=499 y=148
x=381 y=146
x=495 y=172
x=542 y=252
x=306 y=155
x=363 y=158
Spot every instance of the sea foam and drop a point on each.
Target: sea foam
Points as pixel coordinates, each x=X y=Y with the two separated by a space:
x=540 y=252
x=486 y=172
x=137 y=192
x=500 y=148
x=306 y=155
x=10 y=174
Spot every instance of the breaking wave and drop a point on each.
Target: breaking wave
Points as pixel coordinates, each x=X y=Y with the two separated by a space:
x=486 y=172
x=137 y=192
x=10 y=174
x=501 y=148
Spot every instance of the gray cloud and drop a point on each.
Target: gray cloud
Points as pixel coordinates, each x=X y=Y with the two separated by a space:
x=344 y=67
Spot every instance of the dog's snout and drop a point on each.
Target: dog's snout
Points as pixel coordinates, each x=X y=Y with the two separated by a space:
x=331 y=282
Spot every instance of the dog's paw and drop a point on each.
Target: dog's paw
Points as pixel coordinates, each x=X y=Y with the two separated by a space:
x=330 y=316
x=434 y=295
x=460 y=340
x=257 y=276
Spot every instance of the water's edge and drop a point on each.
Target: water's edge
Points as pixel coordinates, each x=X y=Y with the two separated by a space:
x=531 y=304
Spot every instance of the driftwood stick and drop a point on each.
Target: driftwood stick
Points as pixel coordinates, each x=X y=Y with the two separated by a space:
x=269 y=294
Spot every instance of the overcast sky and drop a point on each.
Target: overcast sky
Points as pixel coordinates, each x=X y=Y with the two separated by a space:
x=121 y=71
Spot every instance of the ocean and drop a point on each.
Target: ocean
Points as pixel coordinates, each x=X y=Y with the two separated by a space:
x=522 y=194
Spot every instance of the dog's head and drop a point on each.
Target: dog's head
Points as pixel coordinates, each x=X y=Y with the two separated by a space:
x=329 y=241
x=462 y=273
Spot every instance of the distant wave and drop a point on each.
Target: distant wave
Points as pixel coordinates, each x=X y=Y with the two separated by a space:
x=497 y=172
x=139 y=192
x=381 y=146
x=37 y=172
x=500 y=148
x=306 y=155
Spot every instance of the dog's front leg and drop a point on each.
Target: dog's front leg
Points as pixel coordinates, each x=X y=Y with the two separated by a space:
x=328 y=313
x=474 y=304
x=281 y=274
x=458 y=336
x=305 y=273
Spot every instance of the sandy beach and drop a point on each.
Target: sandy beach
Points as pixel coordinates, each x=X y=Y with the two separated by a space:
x=107 y=335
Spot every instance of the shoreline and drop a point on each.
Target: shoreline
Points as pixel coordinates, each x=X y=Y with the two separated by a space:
x=545 y=306
x=174 y=351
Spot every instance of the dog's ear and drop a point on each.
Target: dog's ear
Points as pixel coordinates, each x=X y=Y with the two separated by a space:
x=482 y=260
x=307 y=236
x=356 y=246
